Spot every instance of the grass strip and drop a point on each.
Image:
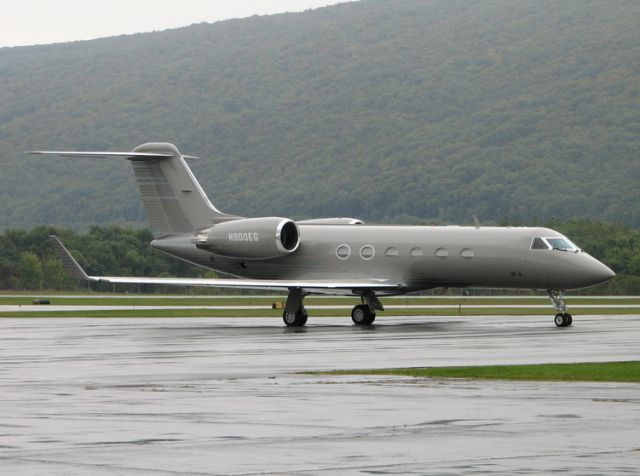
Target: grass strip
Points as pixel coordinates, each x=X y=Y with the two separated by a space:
x=579 y=372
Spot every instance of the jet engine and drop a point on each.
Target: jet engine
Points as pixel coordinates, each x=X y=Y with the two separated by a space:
x=251 y=238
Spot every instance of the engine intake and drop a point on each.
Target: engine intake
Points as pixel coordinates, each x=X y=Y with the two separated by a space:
x=251 y=238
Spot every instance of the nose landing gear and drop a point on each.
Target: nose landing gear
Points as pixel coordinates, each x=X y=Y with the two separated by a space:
x=563 y=318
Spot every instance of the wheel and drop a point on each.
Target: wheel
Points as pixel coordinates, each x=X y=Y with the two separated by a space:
x=563 y=319
x=295 y=319
x=303 y=319
x=358 y=315
x=361 y=315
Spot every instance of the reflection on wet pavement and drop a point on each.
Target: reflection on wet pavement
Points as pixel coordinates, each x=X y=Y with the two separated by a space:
x=218 y=396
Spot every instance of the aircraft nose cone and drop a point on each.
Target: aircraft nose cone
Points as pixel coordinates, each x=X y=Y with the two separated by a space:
x=600 y=273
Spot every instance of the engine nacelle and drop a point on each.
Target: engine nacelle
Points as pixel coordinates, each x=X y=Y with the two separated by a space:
x=251 y=238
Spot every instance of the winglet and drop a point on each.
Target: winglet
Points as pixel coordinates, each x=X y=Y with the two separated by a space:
x=71 y=266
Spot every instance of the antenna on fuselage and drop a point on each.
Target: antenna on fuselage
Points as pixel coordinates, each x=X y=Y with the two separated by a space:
x=476 y=222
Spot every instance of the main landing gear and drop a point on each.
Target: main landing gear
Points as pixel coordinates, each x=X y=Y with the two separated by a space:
x=295 y=315
x=296 y=318
x=364 y=314
x=361 y=315
x=563 y=318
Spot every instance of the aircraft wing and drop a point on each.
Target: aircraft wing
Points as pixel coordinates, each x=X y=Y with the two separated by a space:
x=75 y=271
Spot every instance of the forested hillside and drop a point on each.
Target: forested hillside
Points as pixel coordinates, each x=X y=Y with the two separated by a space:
x=388 y=110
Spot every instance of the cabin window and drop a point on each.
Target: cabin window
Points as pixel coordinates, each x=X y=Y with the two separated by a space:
x=367 y=252
x=467 y=253
x=343 y=251
x=416 y=252
x=441 y=253
x=391 y=251
x=539 y=244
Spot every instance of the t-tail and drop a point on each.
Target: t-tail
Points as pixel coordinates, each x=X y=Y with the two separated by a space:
x=173 y=199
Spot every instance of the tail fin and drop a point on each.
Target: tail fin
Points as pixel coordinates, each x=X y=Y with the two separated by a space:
x=172 y=197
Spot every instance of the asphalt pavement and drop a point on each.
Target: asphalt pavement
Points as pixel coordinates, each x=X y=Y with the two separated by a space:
x=222 y=396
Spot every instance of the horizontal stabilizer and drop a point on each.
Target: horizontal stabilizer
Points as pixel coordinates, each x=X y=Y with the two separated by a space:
x=174 y=201
x=127 y=155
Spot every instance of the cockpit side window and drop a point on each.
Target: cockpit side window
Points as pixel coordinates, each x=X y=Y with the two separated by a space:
x=538 y=244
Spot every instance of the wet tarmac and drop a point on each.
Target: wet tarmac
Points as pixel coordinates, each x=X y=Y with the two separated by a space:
x=219 y=396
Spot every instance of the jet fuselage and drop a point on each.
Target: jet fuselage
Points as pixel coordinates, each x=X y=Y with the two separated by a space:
x=420 y=257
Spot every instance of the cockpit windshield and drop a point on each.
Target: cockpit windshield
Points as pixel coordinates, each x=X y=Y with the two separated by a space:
x=561 y=243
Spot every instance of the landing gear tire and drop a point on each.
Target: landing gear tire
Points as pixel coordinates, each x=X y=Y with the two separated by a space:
x=361 y=315
x=563 y=319
x=295 y=319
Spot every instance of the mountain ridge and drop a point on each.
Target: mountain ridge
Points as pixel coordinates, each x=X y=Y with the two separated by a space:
x=389 y=111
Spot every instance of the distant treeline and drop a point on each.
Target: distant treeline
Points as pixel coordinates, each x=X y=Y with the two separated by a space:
x=28 y=261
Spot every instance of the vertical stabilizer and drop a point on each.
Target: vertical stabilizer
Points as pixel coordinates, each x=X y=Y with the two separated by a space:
x=172 y=197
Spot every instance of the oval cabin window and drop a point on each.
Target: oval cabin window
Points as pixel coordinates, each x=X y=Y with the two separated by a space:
x=367 y=252
x=441 y=253
x=392 y=251
x=343 y=251
x=467 y=253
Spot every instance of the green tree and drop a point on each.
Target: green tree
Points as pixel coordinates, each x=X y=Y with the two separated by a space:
x=54 y=274
x=30 y=268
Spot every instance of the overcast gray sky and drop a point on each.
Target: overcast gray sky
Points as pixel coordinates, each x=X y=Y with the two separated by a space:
x=29 y=22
